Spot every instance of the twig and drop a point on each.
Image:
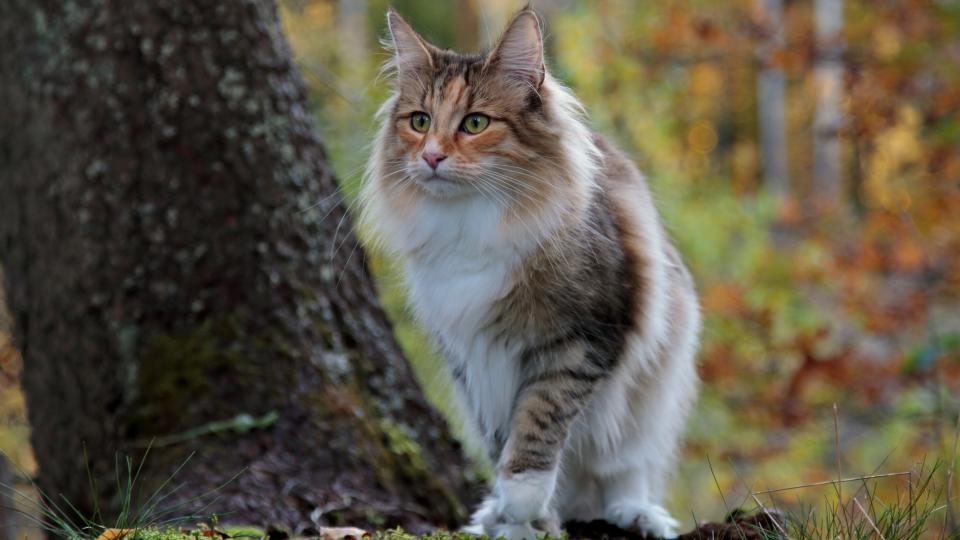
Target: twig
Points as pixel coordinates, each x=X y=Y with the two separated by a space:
x=829 y=482
x=757 y=500
x=774 y=520
x=951 y=518
x=869 y=520
x=836 y=451
x=330 y=80
x=240 y=423
x=722 y=498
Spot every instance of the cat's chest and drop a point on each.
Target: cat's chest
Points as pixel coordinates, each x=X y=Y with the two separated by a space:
x=457 y=301
x=455 y=295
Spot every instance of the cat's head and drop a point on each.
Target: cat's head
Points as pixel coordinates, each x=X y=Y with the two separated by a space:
x=492 y=125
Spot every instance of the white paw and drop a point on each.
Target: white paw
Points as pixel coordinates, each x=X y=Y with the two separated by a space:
x=483 y=518
x=515 y=531
x=645 y=519
x=524 y=497
x=489 y=521
x=475 y=529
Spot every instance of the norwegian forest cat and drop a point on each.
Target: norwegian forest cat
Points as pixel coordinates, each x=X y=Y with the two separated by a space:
x=535 y=257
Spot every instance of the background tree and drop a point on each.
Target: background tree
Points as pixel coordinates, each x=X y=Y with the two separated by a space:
x=179 y=268
x=828 y=87
x=771 y=88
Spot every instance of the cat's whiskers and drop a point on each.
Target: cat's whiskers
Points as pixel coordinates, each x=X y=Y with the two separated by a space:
x=540 y=235
x=526 y=174
x=404 y=182
x=509 y=182
x=485 y=192
x=353 y=204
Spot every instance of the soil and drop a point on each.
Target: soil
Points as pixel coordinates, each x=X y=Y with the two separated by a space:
x=737 y=526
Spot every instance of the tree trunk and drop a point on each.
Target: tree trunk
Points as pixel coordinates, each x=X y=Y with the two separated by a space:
x=770 y=99
x=176 y=256
x=828 y=87
x=8 y=518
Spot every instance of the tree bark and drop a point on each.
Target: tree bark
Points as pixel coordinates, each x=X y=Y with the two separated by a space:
x=8 y=518
x=176 y=255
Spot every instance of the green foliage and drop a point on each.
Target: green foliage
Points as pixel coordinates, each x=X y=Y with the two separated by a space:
x=199 y=532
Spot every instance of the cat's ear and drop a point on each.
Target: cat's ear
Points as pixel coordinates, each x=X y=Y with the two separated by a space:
x=412 y=52
x=519 y=53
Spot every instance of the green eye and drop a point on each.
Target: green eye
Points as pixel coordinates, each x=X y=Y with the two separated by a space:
x=475 y=123
x=420 y=122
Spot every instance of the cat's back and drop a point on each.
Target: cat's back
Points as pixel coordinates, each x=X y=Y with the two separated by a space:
x=665 y=287
x=620 y=177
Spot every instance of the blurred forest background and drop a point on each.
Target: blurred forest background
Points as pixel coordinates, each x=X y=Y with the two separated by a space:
x=806 y=158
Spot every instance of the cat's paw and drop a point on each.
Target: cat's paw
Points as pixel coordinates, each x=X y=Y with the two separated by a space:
x=474 y=529
x=515 y=531
x=484 y=518
x=524 y=497
x=649 y=520
x=489 y=521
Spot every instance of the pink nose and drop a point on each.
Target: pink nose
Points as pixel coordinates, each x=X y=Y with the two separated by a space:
x=433 y=158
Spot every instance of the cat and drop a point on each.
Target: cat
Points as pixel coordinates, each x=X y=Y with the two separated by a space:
x=535 y=257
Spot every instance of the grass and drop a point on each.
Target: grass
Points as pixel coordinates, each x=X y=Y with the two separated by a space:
x=919 y=511
x=60 y=518
x=852 y=509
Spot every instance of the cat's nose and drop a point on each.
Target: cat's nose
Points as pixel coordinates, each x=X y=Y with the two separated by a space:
x=433 y=159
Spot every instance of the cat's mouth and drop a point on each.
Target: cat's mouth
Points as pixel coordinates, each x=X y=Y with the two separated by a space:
x=441 y=186
x=437 y=178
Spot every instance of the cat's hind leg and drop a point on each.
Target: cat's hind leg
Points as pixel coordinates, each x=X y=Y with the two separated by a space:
x=633 y=475
x=630 y=502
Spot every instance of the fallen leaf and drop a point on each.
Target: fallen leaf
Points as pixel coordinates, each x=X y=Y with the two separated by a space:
x=342 y=533
x=114 y=534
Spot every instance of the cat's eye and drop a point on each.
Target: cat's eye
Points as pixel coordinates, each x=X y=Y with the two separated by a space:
x=420 y=121
x=475 y=123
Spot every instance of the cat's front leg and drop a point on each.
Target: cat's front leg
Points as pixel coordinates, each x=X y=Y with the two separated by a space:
x=548 y=402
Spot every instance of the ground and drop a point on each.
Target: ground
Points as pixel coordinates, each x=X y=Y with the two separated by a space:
x=737 y=527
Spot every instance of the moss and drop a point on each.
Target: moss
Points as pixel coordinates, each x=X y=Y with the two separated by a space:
x=253 y=532
x=240 y=531
x=174 y=369
x=402 y=445
x=184 y=380
x=201 y=533
x=400 y=534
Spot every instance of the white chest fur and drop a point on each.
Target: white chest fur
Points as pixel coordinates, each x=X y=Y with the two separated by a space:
x=458 y=269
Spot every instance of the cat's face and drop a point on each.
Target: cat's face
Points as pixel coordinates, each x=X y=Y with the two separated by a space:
x=470 y=125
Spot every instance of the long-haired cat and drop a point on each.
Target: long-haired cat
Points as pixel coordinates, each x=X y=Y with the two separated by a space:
x=535 y=257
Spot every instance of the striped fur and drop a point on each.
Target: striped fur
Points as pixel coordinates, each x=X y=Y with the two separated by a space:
x=535 y=257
